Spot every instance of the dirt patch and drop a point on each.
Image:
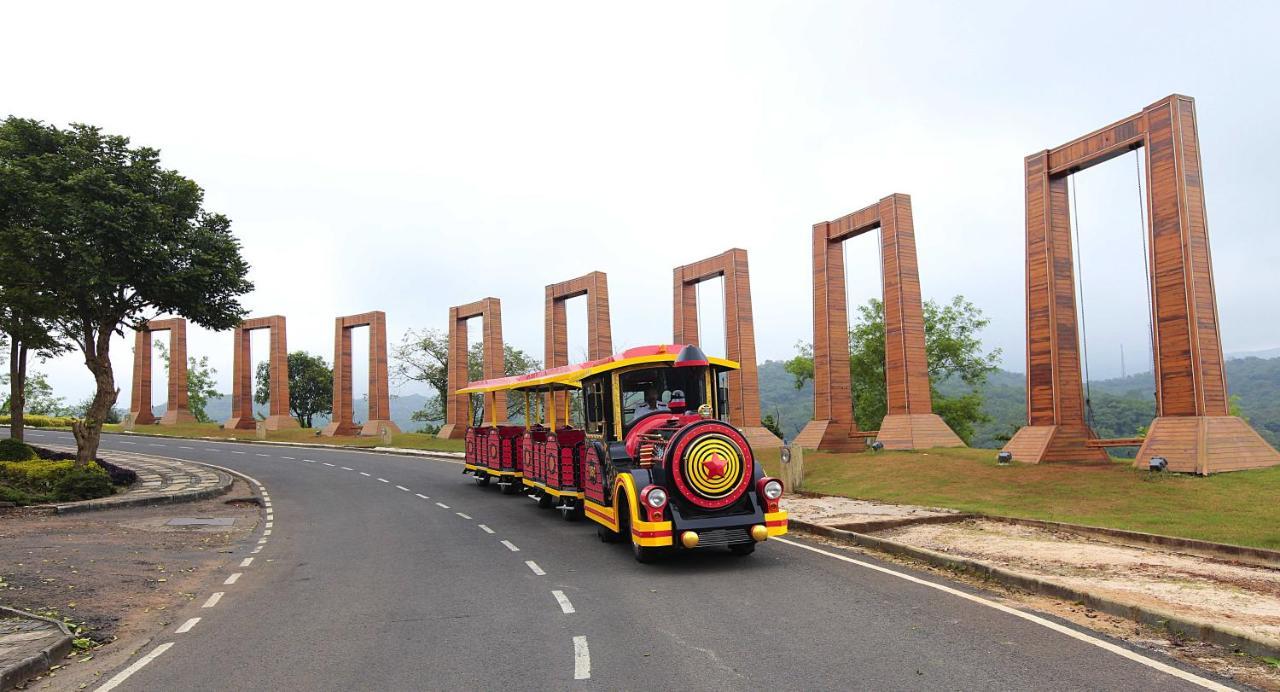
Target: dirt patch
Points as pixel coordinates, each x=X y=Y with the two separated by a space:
x=117 y=574
x=1248 y=670
x=826 y=510
x=1238 y=595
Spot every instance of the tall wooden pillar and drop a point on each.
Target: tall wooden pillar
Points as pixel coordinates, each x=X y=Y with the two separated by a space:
x=739 y=332
x=910 y=422
x=490 y=310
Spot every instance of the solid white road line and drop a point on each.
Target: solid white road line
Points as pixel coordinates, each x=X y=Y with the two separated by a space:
x=425 y=497
x=464 y=516
x=563 y=600
x=213 y=600
x=511 y=546
x=484 y=528
x=581 y=659
x=137 y=666
x=246 y=562
x=442 y=505
x=232 y=579
x=401 y=487
x=186 y=626
x=1062 y=629
x=534 y=566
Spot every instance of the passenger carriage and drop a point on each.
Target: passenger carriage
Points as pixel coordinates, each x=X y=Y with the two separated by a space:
x=652 y=460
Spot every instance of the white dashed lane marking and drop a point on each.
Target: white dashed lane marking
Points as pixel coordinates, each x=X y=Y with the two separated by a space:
x=511 y=546
x=262 y=455
x=563 y=600
x=137 y=666
x=191 y=448
x=535 y=568
x=484 y=528
x=310 y=461
x=464 y=516
x=127 y=443
x=425 y=497
x=401 y=487
x=232 y=579
x=581 y=659
x=213 y=600
x=346 y=468
x=235 y=452
x=327 y=463
x=442 y=505
x=289 y=458
x=186 y=626
x=383 y=480
x=246 y=562
x=362 y=473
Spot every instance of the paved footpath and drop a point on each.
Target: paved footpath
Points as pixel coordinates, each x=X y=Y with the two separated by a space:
x=397 y=572
x=160 y=479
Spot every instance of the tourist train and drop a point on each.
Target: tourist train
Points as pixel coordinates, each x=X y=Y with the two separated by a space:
x=654 y=460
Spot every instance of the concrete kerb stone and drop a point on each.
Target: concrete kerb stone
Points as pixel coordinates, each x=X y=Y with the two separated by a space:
x=38 y=662
x=1205 y=631
x=221 y=483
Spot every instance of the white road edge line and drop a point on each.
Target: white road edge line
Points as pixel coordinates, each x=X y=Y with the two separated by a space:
x=1061 y=629
x=484 y=528
x=137 y=666
x=563 y=600
x=535 y=568
x=186 y=626
x=581 y=659
x=213 y=600
x=511 y=546
x=232 y=579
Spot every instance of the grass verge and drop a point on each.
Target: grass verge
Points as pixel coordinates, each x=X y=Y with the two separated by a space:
x=1238 y=507
x=213 y=430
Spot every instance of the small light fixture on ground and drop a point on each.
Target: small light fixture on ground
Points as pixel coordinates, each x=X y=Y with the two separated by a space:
x=1158 y=464
x=1003 y=458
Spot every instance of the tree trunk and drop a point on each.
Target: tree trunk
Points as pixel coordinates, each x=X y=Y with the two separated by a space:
x=17 y=388
x=88 y=432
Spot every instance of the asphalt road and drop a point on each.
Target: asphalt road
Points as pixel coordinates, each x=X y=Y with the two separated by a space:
x=364 y=584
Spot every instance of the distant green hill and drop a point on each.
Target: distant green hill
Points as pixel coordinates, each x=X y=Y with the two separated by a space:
x=1120 y=405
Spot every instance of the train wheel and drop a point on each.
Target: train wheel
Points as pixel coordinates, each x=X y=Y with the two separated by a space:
x=545 y=500
x=482 y=481
x=607 y=536
x=742 y=548
x=570 y=513
x=644 y=554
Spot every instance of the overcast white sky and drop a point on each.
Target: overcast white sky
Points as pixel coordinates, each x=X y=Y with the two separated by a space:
x=409 y=158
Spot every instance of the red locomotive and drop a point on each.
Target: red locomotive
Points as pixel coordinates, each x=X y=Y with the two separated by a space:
x=653 y=459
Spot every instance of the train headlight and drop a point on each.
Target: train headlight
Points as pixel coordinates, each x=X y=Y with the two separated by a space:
x=656 y=497
x=772 y=489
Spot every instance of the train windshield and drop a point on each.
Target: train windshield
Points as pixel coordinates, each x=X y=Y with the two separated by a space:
x=664 y=389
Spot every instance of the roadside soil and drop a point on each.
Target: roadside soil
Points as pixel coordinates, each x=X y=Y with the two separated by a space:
x=119 y=574
x=1238 y=595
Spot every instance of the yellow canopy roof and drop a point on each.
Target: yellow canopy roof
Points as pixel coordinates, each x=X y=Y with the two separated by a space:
x=571 y=376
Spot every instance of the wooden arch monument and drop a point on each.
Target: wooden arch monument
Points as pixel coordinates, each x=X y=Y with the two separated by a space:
x=343 y=420
x=1193 y=430
x=595 y=286
x=278 y=416
x=177 y=408
x=739 y=333
x=910 y=422
x=490 y=310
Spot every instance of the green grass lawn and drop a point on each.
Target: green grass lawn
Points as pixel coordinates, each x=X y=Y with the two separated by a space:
x=405 y=440
x=1242 y=507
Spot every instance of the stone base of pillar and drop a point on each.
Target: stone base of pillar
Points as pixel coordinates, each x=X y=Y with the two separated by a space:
x=451 y=431
x=374 y=428
x=176 y=416
x=831 y=436
x=1205 y=444
x=139 y=418
x=916 y=431
x=241 y=423
x=341 y=429
x=1035 y=444
x=760 y=438
x=282 y=422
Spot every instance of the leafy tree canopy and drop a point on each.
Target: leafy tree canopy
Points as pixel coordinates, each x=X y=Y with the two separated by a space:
x=310 y=386
x=423 y=356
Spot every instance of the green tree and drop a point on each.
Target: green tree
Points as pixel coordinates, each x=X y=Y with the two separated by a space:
x=114 y=415
x=111 y=239
x=201 y=386
x=954 y=353
x=38 y=398
x=310 y=386
x=770 y=423
x=423 y=356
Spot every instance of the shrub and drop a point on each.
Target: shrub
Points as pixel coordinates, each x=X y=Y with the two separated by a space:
x=13 y=450
x=32 y=420
x=83 y=483
x=43 y=480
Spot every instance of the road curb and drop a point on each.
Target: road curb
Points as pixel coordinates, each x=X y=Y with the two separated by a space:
x=40 y=662
x=168 y=498
x=1205 y=631
x=404 y=451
